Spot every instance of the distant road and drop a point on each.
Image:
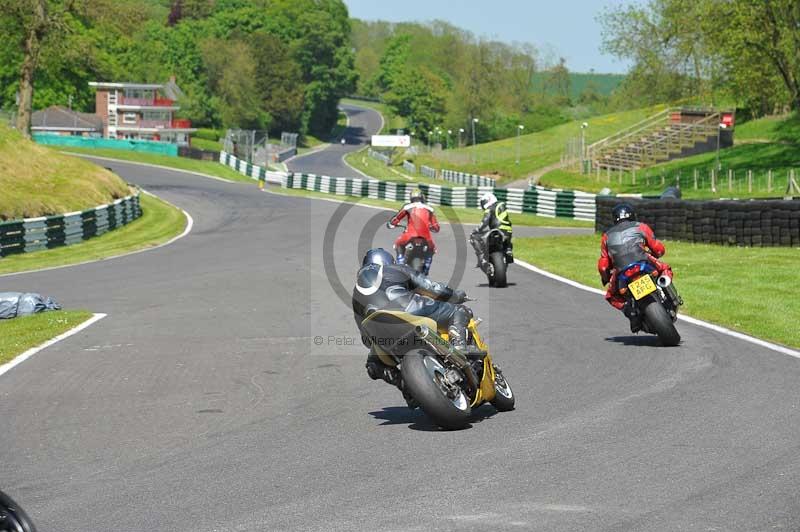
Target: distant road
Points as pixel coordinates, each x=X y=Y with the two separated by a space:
x=364 y=123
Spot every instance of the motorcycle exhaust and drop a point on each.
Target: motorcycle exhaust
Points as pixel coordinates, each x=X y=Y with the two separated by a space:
x=669 y=289
x=664 y=281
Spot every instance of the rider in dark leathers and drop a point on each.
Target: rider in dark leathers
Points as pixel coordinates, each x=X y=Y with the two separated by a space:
x=495 y=217
x=381 y=284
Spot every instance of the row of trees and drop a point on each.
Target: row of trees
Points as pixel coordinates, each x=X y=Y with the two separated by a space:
x=437 y=75
x=265 y=64
x=739 y=51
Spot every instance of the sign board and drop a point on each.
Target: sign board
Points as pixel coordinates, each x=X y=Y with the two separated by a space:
x=727 y=120
x=391 y=141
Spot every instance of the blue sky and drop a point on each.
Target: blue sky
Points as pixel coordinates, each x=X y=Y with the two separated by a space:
x=556 y=27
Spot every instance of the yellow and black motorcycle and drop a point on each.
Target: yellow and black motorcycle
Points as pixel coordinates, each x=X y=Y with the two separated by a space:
x=446 y=384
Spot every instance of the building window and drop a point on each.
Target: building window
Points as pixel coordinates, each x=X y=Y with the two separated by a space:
x=129 y=118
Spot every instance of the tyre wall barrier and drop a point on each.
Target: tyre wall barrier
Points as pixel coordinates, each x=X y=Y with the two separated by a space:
x=47 y=232
x=757 y=223
x=472 y=180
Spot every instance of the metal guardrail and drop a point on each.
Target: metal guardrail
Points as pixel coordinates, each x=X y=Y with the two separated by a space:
x=47 y=232
x=472 y=180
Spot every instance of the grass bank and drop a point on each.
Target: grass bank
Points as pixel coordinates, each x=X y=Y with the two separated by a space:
x=159 y=222
x=38 y=181
x=212 y=168
x=20 y=334
x=536 y=150
x=717 y=283
x=468 y=216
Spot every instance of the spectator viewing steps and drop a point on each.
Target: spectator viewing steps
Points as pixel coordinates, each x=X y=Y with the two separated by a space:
x=670 y=134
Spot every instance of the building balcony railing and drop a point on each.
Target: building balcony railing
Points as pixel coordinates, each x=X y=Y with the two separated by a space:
x=146 y=102
x=178 y=123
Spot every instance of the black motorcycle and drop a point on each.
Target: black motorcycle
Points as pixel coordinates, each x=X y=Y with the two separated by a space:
x=416 y=251
x=652 y=299
x=12 y=517
x=496 y=256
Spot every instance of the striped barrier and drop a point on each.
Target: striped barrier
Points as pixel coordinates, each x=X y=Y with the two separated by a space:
x=409 y=167
x=258 y=173
x=471 y=180
x=538 y=200
x=47 y=232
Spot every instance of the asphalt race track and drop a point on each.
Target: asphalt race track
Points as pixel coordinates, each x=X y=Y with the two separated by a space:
x=203 y=402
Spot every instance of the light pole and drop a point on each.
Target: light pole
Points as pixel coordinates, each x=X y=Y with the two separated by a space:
x=519 y=135
x=460 y=132
x=430 y=136
x=474 y=121
x=449 y=132
x=583 y=146
x=719 y=132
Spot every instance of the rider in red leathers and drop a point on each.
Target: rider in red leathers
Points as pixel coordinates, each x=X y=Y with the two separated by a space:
x=624 y=243
x=421 y=221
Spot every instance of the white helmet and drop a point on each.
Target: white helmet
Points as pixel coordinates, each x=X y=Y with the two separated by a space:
x=487 y=200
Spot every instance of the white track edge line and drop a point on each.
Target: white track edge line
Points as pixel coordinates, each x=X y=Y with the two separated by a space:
x=694 y=321
x=186 y=231
x=19 y=359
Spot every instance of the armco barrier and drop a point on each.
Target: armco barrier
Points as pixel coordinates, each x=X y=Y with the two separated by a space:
x=382 y=157
x=757 y=223
x=408 y=166
x=34 y=234
x=427 y=171
x=539 y=200
x=145 y=146
x=471 y=180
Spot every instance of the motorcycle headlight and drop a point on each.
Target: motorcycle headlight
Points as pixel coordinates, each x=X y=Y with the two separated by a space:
x=409 y=246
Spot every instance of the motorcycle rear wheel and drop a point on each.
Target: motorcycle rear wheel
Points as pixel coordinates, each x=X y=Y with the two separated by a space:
x=499 y=266
x=660 y=321
x=423 y=375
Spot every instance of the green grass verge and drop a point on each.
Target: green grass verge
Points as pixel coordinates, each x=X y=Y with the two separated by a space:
x=205 y=144
x=212 y=168
x=717 y=283
x=771 y=128
x=20 y=334
x=159 y=222
x=469 y=216
x=361 y=161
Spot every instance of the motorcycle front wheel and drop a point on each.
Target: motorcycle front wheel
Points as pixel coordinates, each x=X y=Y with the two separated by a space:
x=12 y=517
x=445 y=403
x=504 y=397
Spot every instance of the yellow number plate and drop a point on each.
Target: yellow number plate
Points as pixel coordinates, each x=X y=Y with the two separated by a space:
x=642 y=287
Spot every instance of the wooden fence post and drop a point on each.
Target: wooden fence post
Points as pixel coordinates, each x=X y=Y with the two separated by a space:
x=713 y=180
x=769 y=180
x=750 y=181
x=695 y=178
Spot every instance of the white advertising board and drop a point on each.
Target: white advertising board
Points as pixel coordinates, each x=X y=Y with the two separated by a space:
x=391 y=141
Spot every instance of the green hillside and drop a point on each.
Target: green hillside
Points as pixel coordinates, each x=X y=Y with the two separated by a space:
x=37 y=181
